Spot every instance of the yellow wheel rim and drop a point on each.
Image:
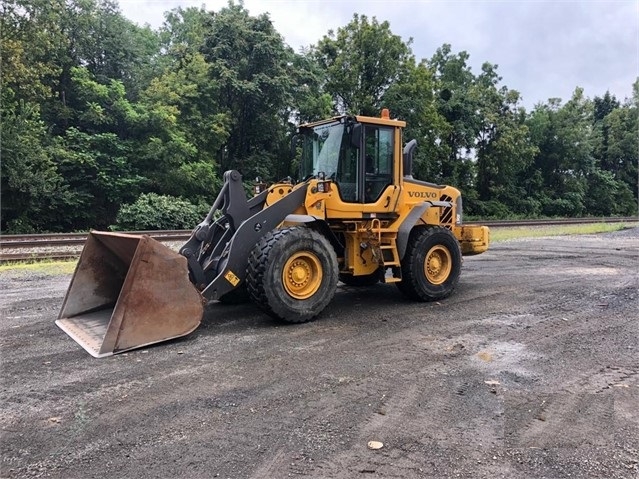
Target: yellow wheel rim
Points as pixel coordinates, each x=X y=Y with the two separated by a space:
x=438 y=264
x=302 y=275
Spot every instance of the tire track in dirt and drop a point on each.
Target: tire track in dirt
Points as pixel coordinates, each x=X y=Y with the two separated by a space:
x=605 y=379
x=558 y=420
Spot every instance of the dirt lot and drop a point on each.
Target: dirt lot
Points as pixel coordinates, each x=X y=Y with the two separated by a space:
x=530 y=370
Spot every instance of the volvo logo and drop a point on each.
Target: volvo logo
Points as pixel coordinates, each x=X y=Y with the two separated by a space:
x=422 y=194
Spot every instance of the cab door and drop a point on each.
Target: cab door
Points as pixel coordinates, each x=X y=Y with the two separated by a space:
x=366 y=172
x=377 y=165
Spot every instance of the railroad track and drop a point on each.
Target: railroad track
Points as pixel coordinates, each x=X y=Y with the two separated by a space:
x=64 y=246
x=71 y=239
x=38 y=247
x=35 y=256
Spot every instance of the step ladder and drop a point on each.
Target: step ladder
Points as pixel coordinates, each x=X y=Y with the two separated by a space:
x=387 y=240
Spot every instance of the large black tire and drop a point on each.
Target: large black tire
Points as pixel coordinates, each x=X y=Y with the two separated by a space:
x=431 y=264
x=362 y=280
x=292 y=274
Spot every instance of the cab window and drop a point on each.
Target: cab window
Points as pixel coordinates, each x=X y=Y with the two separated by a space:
x=378 y=161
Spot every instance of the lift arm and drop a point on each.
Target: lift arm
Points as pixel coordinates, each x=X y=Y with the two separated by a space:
x=217 y=252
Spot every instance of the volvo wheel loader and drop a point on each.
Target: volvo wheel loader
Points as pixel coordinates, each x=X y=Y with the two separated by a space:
x=357 y=216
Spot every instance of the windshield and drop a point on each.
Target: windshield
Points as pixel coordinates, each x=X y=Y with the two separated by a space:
x=321 y=149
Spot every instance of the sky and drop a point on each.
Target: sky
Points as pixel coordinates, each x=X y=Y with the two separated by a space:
x=543 y=49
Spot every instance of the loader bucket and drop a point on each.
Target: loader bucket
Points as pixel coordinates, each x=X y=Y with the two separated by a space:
x=128 y=291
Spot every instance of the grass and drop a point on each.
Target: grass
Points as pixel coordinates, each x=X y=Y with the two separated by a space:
x=517 y=232
x=45 y=267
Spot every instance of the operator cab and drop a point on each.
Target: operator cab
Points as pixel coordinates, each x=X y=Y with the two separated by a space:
x=357 y=156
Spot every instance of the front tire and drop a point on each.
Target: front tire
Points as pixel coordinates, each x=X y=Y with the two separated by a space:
x=292 y=274
x=431 y=265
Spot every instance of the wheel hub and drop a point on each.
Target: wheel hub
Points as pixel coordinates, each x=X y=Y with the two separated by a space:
x=302 y=275
x=299 y=275
x=438 y=264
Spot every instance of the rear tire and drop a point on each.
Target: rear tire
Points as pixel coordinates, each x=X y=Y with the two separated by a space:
x=431 y=265
x=292 y=274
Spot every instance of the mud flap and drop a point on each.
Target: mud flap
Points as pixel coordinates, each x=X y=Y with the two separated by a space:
x=127 y=292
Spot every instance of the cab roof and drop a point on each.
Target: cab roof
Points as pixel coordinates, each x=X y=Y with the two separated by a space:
x=384 y=119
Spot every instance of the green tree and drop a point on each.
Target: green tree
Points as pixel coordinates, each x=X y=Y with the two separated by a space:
x=97 y=169
x=29 y=33
x=458 y=106
x=249 y=64
x=612 y=185
x=361 y=61
x=185 y=128
x=412 y=99
x=92 y=34
x=563 y=136
x=32 y=187
x=504 y=151
x=96 y=158
x=109 y=45
x=310 y=100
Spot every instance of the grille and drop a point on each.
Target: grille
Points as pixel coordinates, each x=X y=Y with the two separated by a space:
x=446 y=218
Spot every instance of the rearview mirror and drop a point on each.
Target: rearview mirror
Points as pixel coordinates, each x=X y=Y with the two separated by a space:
x=294 y=141
x=356 y=135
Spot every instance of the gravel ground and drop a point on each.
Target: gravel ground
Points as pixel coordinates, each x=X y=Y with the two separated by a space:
x=530 y=370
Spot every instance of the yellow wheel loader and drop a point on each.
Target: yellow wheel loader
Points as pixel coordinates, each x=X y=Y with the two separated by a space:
x=357 y=216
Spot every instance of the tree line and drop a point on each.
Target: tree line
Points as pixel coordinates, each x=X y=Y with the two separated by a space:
x=109 y=124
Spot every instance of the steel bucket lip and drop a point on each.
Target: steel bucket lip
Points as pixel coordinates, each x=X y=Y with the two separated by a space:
x=68 y=327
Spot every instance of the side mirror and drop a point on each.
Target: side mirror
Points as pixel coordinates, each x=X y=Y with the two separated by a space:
x=294 y=141
x=409 y=151
x=356 y=135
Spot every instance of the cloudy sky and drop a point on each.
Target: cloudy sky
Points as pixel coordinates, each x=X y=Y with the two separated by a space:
x=542 y=48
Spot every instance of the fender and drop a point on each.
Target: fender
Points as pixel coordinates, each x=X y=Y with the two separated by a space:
x=412 y=219
x=321 y=226
x=300 y=219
